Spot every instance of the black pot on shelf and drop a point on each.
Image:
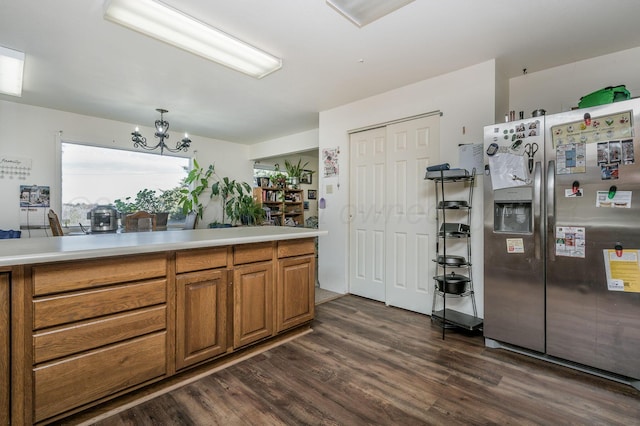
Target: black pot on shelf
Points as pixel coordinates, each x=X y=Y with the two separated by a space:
x=452 y=283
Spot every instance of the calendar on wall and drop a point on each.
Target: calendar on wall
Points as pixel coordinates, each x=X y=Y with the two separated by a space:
x=14 y=167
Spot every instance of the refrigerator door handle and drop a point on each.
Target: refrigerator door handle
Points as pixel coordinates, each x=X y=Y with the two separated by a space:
x=537 y=212
x=551 y=208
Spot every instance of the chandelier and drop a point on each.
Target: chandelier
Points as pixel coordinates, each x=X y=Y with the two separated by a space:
x=162 y=129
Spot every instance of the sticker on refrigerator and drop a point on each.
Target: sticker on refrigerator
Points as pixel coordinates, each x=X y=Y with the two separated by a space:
x=614 y=199
x=570 y=241
x=598 y=129
x=609 y=171
x=628 y=156
x=515 y=245
x=570 y=158
x=610 y=152
x=623 y=270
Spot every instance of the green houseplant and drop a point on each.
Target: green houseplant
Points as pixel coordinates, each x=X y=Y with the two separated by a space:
x=162 y=205
x=200 y=178
x=246 y=210
x=295 y=171
x=278 y=180
x=228 y=190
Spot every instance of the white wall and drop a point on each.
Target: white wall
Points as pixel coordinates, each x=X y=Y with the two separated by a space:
x=299 y=142
x=466 y=99
x=34 y=133
x=560 y=88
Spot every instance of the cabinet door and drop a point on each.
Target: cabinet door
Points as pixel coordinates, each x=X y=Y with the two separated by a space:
x=295 y=292
x=201 y=316
x=253 y=302
x=4 y=349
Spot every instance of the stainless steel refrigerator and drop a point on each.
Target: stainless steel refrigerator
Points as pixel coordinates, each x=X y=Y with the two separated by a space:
x=562 y=238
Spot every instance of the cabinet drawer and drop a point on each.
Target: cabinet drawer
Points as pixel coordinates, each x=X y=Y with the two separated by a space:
x=67 y=308
x=63 y=385
x=69 y=276
x=200 y=259
x=249 y=253
x=92 y=334
x=299 y=247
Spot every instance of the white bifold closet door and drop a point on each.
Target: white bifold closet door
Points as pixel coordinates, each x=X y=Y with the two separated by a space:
x=392 y=226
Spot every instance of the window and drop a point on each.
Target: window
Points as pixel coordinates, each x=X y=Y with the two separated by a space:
x=94 y=176
x=266 y=171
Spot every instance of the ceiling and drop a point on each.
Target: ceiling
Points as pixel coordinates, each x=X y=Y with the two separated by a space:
x=78 y=62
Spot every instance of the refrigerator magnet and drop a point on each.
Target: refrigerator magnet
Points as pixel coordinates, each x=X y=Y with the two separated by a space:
x=573 y=192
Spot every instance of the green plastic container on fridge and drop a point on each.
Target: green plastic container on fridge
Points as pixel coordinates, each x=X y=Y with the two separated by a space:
x=605 y=96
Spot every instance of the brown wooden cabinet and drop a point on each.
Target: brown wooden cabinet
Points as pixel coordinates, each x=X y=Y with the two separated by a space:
x=201 y=316
x=253 y=303
x=201 y=305
x=252 y=293
x=5 y=366
x=85 y=331
x=99 y=327
x=295 y=290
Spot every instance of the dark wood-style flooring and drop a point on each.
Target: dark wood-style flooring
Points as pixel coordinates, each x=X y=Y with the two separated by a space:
x=368 y=364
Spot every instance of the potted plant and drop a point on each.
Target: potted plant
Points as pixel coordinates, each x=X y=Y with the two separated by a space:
x=295 y=171
x=190 y=199
x=278 y=180
x=162 y=205
x=228 y=190
x=246 y=210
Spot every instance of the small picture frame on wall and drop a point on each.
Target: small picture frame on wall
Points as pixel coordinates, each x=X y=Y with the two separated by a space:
x=305 y=177
x=312 y=194
x=306 y=205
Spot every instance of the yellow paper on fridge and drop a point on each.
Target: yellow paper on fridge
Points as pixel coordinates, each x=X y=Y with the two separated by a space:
x=623 y=270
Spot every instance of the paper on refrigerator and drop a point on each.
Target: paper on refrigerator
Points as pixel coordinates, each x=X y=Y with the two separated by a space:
x=623 y=270
x=508 y=170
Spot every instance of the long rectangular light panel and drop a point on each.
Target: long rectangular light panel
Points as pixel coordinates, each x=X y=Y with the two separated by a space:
x=11 y=71
x=171 y=26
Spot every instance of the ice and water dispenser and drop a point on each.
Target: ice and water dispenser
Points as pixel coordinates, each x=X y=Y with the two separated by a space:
x=513 y=210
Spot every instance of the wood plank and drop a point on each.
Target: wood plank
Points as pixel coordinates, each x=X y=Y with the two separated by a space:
x=201 y=259
x=366 y=363
x=91 y=334
x=84 y=378
x=289 y=248
x=67 y=308
x=76 y=275
x=249 y=253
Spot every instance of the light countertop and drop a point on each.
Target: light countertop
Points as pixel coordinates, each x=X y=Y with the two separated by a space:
x=37 y=250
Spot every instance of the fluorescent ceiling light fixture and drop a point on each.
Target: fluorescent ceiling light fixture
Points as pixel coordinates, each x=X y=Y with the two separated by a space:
x=171 y=26
x=363 y=12
x=11 y=70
